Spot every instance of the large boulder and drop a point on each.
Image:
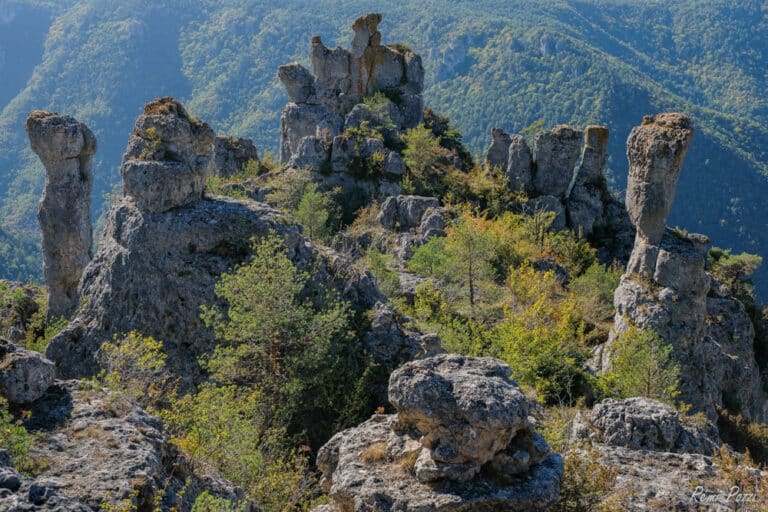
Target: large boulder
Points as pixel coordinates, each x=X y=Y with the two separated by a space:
x=461 y=440
x=519 y=164
x=232 y=154
x=66 y=148
x=498 y=153
x=168 y=158
x=24 y=374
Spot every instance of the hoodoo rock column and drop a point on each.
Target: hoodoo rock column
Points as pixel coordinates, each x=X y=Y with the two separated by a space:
x=66 y=148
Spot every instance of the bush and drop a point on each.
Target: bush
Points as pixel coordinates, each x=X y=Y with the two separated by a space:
x=387 y=279
x=593 y=292
x=134 y=365
x=15 y=439
x=586 y=483
x=642 y=365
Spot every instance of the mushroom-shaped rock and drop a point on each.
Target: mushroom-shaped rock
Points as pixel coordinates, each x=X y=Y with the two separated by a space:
x=24 y=375
x=367 y=33
x=168 y=157
x=655 y=151
x=456 y=415
x=66 y=147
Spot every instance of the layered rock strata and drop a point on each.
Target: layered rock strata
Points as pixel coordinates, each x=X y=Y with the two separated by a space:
x=462 y=439
x=66 y=148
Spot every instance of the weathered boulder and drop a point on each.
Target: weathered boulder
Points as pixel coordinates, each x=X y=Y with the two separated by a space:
x=311 y=153
x=655 y=151
x=300 y=120
x=556 y=153
x=298 y=81
x=519 y=164
x=66 y=148
x=456 y=415
x=644 y=424
x=24 y=374
x=406 y=212
x=498 y=153
x=101 y=448
x=167 y=161
x=232 y=154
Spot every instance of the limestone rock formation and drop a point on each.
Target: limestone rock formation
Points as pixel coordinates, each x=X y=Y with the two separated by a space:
x=644 y=424
x=232 y=154
x=498 y=152
x=414 y=219
x=327 y=104
x=157 y=265
x=22 y=303
x=100 y=447
x=461 y=440
x=168 y=157
x=24 y=374
x=557 y=152
x=579 y=196
x=665 y=286
x=66 y=148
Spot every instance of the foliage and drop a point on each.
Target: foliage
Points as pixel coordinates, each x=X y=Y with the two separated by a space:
x=226 y=426
x=586 y=483
x=743 y=435
x=642 y=365
x=314 y=212
x=386 y=278
x=378 y=105
x=593 y=292
x=420 y=155
x=205 y=502
x=734 y=269
x=296 y=194
x=134 y=365
x=15 y=438
x=285 y=338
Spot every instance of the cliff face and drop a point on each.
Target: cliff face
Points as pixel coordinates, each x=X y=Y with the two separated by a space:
x=66 y=148
x=666 y=286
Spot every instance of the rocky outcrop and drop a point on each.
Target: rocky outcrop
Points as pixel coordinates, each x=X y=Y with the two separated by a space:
x=644 y=424
x=167 y=161
x=461 y=440
x=66 y=148
x=414 y=219
x=100 y=448
x=578 y=196
x=22 y=301
x=231 y=155
x=665 y=286
x=24 y=374
x=157 y=264
x=328 y=103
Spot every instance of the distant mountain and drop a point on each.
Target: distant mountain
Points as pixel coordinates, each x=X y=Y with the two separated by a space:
x=489 y=63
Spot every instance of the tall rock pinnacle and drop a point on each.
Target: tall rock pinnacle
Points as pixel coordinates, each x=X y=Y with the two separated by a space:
x=66 y=148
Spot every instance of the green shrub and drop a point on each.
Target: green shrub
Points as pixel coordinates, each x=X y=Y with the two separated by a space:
x=642 y=365
x=387 y=279
x=593 y=292
x=15 y=438
x=205 y=502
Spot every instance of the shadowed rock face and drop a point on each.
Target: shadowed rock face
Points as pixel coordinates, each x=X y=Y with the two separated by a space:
x=461 y=440
x=66 y=148
x=232 y=154
x=557 y=152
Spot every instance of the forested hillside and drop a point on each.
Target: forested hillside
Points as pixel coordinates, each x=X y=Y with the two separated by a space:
x=489 y=63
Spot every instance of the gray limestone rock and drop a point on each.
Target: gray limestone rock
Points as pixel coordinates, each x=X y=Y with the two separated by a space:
x=311 y=153
x=298 y=81
x=645 y=424
x=24 y=374
x=168 y=158
x=549 y=204
x=455 y=414
x=232 y=154
x=655 y=151
x=556 y=154
x=405 y=213
x=66 y=148
x=519 y=164
x=498 y=152
x=394 y=164
x=586 y=202
x=303 y=120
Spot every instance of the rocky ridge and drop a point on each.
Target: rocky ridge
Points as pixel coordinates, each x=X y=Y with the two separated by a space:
x=461 y=440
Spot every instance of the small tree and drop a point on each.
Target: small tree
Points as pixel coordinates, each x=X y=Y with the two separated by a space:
x=642 y=365
x=420 y=154
x=314 y=212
